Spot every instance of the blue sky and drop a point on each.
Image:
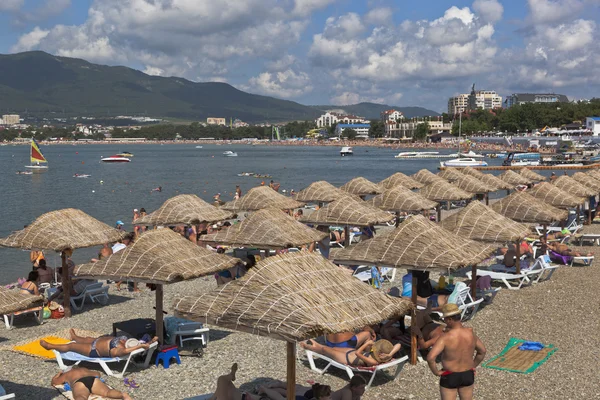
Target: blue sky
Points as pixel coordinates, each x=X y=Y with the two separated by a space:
x=328 y=51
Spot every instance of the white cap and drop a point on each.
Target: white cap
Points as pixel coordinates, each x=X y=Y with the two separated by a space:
x=135 y=210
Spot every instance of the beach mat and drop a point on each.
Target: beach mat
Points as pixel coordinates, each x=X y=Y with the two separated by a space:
x=202 y=397
x=32 y=347
x=522 y=361
x=69 y=394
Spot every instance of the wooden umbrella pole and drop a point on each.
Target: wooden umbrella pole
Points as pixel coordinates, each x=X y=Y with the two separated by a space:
x=474 y=281
x=577 y=215
x=291 y=370
x=398 y=218
x=413 y=320
x=589 y=212
x=439 y=213
x=518 y=256
x=159 y=314
x=346 y=236
x=487 y=199
x=66 y=285
x=545 y=235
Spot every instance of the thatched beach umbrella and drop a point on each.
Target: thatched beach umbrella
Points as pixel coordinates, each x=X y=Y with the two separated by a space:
x=159 y=257
x=576 y=188
x=426 y=177
x=62 y=231
x=488 y=179
x=443 y=191
x=472 y=185
x=293 y=297
x=514 y=179
x=523 y=207
x=186 y=209
x=587 y=180
x=554 y=196
x=482 y=223
x=450 y=174
x=399 y=179
x=531 y=175
x=361 y=187
x=347 y=211
x=262 y=197
x=321 y=191
x=12 y=301
x=594 y=173
x=399 y=199
x=266 y=229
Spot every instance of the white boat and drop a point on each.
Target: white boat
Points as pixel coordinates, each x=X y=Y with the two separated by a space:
x=346 y=151
x=198 y=147
x=115 y=159
x=464 y=162
x=38 y=160
x=423 y=154
x=229 y=153
x=470 y=154
x=81 y=176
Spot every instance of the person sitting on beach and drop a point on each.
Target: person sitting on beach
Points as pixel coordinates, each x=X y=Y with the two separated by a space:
x=298 y=214
x=226 y=390
x=424 y=290
x=29 y=286
x=510 y=253
x=278 y=391
x=100 y=347
x=350 y=339
x=427 y=331
x=369 y=354
x=85 y=382
x=35 y=256
x=45 y=273
x=337 y=236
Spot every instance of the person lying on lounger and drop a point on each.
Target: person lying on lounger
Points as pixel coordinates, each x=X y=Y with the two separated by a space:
x=101 y=347
x=350 y=339
x=226 y=390
x=425 y=293
x=369 y=354
x=85 y=382
x=278 y=391
x=563 y=249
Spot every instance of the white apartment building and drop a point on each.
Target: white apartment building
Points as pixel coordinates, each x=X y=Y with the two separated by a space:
x=391 y=115
x=11 y=119
x=458 y=104
x=330 y=118
x=480 y=99
x=216 y=121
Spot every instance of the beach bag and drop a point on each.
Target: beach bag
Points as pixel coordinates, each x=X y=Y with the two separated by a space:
x=46 y=313
x=56 y=310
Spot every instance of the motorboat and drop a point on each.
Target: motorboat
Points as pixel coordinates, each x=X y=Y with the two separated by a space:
x=229 y=153
x=470 y=154
x=81 y=176
x=346 y=151
x=522 y=159
x=198 y=147
x=464 y=162
x=408 y=155
x=125 y=154
x=24 y=173
x=115 y=159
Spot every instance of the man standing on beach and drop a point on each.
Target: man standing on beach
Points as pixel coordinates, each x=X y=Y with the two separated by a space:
x=457 y=347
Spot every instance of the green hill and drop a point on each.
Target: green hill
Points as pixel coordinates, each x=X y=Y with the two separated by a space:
x=43 y=84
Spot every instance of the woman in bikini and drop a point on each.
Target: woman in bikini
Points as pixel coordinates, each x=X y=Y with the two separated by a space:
x=350 y=339
x=29 y=287
x=85 y=382
x=369 y=354
x=101 y=347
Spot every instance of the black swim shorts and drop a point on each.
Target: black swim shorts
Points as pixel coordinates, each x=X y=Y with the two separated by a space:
x=456 y=380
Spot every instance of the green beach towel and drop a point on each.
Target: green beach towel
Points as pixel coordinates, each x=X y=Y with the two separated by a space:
x=522 y=361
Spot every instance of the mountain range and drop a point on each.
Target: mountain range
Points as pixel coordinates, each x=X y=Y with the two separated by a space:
x=40 y=84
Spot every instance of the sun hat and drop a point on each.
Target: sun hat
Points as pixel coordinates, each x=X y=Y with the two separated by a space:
x=382 y=346
x=449 y=310
x=131 y=342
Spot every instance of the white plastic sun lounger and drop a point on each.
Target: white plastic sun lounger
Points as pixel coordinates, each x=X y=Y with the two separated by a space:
x=350 y=370
x=192 y=331
x=78 y=358
x=36 y=311
x=94 y=291
x=540 y=268
x=504 y=277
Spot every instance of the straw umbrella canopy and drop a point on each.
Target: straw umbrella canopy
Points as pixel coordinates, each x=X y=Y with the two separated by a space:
x=472 y=185
x=399 y=179
x=321 y=191
x=531 y=175
x=573 y=187
x=587 y=180
x=310 y=297
x=594 y=173
x=186 y=209
x=450 y=174
x=552 y=195
x=523 y=207
x=160 y=257
x=266 y=229
x=361 y=187
x=488 y=179
x=12 y=301
x=426 y=177
x=444 y=191
x=262 y=197
x=62 y=231
x=400 y=198
x=416 y=243
x=347 y=211
x=514 y=179
x=479 y=222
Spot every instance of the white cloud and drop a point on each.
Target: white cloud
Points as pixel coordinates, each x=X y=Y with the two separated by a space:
x=30 y=40
x=284 y=84
x=345 y=98
x=306 y=7
x=488 y=10
x=379 y=16
x=346 y=26
x=281 y=64
x=572 y=36
x=11 y=5
x=547 y=11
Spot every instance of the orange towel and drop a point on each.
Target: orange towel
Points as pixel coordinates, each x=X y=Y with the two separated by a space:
x=35 y=349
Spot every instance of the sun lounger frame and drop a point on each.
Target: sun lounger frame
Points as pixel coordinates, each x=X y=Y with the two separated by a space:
x=398 y=363
x=104 y=361
x=95 y=291
x=37 y=312
x=192 y=331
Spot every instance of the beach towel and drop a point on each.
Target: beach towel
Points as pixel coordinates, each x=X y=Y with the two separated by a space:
x=522 y=361
x=34 y=348
x=201 y=397
x=69 y=394
x=31 y=346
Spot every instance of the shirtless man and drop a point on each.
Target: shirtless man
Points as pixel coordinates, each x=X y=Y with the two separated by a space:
x=85 y=382
x=352 y=391
x=226 y=390
x=456 y=346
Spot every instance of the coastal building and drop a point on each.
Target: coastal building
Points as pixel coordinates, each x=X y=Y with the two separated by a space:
x=362 y=130
x=216 y=121
x=458 y=104
x=391 y=115
x=522 y=98
x=476 y=100
x=439 y=126
x=330 y=118
x=11 y=119
x=593 y=124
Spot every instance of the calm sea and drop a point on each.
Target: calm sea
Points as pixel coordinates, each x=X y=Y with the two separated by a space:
x=114 y=190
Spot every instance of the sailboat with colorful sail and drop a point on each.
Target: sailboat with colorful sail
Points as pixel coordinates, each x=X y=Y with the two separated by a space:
x=38 y=161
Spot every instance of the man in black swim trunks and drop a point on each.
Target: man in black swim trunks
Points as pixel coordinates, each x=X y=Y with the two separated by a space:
x=85 y=382
x=457 y=346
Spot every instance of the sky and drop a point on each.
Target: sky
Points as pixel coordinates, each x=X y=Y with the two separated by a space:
x=400 y=52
